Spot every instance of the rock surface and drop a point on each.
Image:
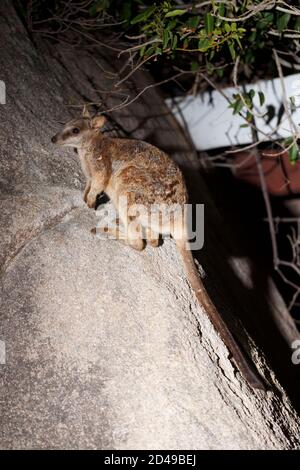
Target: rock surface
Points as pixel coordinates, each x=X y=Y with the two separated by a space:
x=106 y=348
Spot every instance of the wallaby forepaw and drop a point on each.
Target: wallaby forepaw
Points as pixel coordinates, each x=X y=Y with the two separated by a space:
x=91 y=203
x=153 y=242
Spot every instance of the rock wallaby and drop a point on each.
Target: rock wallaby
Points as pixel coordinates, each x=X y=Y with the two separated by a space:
x=135 y=173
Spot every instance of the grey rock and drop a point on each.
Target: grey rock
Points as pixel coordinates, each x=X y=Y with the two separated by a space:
x=105 y=347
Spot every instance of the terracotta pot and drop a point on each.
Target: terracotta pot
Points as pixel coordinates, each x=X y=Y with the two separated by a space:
x=282 y=178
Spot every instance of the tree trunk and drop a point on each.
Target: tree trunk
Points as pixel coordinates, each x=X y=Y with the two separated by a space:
x=107 y=347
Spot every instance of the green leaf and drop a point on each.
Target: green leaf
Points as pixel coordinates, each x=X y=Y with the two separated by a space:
x=251 y=94
x=297 y=24
x=144 y=15
x=222 y=9
x=243 y=126
x=175 y=13
x=142 y=51
x=166 y=37
x=248 y=101
x=193 y=22
x=209 y=23
x=293 y=103
x=150 y=51
x=262 y=98
x=288 y=141
x=294 y=153
x=227 y=28
x=232 y=50
x=221 y=12
x=237 y=107
x=249 y=116
x=282 y=21
x=268 y=17
x=204 y=44
x=235 y=36
x=265 y=22
x=175 y=40
x=172 y=24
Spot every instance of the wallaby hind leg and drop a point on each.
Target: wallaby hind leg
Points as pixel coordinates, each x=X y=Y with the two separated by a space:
x=86 y=191
x=133 y=230
x=134 y=235
x=96 y=187
x=130 y=236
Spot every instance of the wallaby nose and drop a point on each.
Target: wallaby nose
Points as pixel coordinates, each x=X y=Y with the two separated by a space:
x=54 y=139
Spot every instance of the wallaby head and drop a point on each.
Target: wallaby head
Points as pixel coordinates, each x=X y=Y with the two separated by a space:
x=76 y=131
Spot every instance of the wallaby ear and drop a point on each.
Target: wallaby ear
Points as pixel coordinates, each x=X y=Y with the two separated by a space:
x=85 y=112
x=98 y=121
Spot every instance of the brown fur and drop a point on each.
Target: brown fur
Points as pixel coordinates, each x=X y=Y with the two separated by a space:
x=144 y=175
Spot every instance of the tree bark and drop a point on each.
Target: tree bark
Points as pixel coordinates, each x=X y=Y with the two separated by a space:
x=107 y=348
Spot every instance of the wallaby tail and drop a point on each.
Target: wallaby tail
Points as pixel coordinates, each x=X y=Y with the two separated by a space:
x=214 y=316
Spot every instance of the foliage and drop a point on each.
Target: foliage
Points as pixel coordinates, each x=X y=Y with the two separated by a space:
x=207 y=37
x=212 y=35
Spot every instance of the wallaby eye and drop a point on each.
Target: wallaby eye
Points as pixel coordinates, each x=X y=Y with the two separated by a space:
x=75 y=130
